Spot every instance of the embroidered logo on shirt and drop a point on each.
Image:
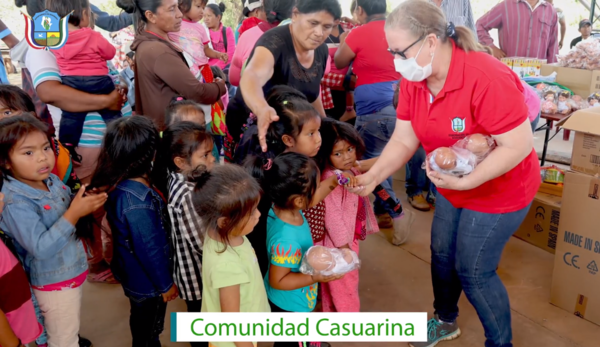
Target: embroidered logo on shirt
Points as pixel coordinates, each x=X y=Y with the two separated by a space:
x=458 y=125
x=281 y=256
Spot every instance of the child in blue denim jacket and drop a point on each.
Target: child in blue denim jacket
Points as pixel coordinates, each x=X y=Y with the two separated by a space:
x=139 y=222
x=40 y=218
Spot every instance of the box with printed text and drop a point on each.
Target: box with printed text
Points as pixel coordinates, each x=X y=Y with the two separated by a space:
x=576 y=277
x=540 y=227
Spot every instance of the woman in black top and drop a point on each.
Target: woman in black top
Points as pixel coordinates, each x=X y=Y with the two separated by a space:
x=293 y=55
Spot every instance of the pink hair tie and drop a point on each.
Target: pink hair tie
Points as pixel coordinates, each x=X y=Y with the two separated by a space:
x=268 y=164
x=179 y=98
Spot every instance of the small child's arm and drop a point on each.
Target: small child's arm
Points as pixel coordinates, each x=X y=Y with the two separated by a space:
x=230 y=302
x=106 y=49
x=211 y=53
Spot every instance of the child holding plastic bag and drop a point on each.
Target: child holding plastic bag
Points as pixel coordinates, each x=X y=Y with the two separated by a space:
x=349 y=218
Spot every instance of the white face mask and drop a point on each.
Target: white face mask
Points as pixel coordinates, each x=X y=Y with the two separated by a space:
x=412 y=71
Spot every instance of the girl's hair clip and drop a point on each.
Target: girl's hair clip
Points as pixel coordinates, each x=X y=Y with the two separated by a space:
x=274 y=13
x=179 y=98
x=268 y=164
x=285 y=102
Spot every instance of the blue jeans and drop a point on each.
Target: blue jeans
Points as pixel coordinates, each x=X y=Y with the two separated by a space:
x=465 y=249
x=71 y=123
x=376 y=130
x=416 y=177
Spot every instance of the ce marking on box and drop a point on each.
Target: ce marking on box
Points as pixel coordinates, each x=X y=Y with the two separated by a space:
x=571 y=260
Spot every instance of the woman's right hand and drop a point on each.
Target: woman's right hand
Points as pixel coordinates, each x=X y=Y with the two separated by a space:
x=1 y=202
x=365 y=184
x=265 y=117
x=83 y=205
x=318 y=278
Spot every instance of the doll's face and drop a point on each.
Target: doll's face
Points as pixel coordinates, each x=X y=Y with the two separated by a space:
x=593 y=102
x=562 y=98
x=549 y=97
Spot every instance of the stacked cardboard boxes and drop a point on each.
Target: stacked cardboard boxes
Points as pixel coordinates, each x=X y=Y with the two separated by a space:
x=540 y=227
x=576 y=279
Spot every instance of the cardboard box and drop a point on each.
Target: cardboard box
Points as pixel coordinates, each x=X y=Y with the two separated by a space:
x=586 y=145
x=581 y=82
x=540 y=227
x=576 y=278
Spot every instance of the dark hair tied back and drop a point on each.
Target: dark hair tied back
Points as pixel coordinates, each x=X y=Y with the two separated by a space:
x=218 y=10
x=278 y=10
x=451 y=30
x=200 y=176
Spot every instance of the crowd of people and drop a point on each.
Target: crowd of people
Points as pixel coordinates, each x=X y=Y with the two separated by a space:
x=217 y=156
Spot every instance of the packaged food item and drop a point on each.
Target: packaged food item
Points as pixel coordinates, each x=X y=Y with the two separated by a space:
x=552 y=174
x=320 y=260
x=583 y=55
x=462 y=158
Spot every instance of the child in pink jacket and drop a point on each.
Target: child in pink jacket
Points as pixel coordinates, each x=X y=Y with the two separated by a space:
x=349 y=218
x=82 y=63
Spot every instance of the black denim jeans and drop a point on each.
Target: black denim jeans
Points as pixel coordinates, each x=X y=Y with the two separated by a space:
x=147 y=321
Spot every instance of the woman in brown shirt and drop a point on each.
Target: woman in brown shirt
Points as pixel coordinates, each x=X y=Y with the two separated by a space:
x=161 y=71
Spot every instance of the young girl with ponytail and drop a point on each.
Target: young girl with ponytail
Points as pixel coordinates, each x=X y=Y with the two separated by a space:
x=137 y=215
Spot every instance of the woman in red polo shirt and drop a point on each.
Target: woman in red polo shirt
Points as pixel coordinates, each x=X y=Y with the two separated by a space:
x=365 y=47
x=450 y=89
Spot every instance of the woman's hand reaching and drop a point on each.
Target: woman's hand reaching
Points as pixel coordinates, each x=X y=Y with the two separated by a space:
x=265 y=117
x=364 y=185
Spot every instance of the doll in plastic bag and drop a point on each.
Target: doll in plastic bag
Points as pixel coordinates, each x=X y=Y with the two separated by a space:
x=329 y=261
x=549 y=105
x=564 y=106
x=594 y=100
x=462 y=158
x=578 y=103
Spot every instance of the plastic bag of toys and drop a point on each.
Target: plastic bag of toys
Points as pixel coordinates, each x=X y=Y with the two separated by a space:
x=462 y=158
x=578 y=103
x=549 y=102
x=564 y=106
x=594 y=100
x=320 y=260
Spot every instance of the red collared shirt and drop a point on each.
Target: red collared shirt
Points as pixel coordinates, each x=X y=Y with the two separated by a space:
x=522 y=31
x=481 y=96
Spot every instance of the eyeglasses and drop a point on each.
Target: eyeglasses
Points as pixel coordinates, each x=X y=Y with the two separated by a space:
x=402 y=53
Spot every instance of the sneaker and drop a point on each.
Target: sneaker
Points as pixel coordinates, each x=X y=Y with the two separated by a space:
x=419 y=202
x=438 y=331
x=384 y=221
x=402 y=227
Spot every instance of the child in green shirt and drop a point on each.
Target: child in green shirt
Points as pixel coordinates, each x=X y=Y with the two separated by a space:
x=226 y=200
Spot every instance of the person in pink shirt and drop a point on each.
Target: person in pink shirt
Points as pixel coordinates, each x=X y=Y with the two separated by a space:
x=221 y=37
x=193 y=38
x=82 y=63
x=277 y=11
x=526 y=28
x=16 y=307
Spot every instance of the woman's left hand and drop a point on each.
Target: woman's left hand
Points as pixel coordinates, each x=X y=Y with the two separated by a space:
x=1 y=202
x=224 y=57
x=445 y=181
